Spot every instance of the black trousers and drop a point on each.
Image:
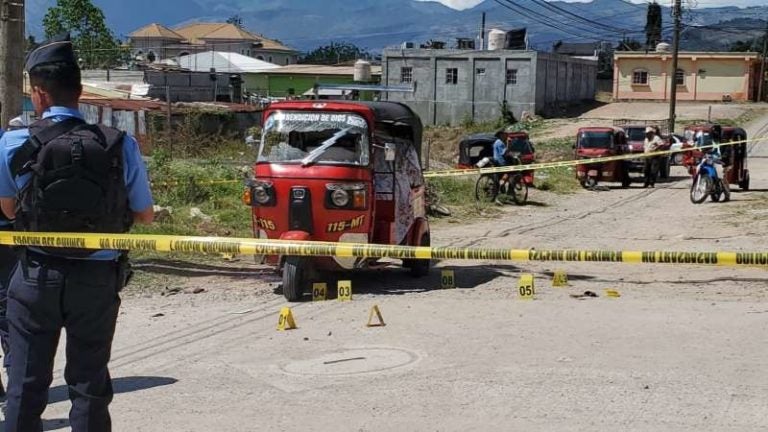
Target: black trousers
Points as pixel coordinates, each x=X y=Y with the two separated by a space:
x=47 y=294
x=651 y=170
x=8 y=260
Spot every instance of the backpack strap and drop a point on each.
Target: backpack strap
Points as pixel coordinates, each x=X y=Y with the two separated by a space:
x=26 y=154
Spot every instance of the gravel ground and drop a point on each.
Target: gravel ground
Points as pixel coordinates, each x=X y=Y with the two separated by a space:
x=682 y=349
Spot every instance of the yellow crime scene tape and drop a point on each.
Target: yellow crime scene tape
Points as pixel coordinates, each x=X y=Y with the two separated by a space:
x=243 y=246
x=571 y=163
x=511 y=168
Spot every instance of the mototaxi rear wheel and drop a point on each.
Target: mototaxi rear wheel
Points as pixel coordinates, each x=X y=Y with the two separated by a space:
x=420 y=267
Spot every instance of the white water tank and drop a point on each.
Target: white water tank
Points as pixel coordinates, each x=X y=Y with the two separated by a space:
x=662 y=47
x=363 y=71
x=496 y=40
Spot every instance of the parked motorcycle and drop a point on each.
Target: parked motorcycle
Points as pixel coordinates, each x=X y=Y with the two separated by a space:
x=706 y=182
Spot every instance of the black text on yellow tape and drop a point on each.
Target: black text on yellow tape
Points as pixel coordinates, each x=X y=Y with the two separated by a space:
x=243 y=246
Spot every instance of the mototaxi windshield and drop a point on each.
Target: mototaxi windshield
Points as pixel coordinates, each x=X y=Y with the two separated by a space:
x=595 y=140
x=292 y=136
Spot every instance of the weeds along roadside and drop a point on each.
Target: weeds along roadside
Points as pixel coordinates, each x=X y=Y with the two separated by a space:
x=181 y=179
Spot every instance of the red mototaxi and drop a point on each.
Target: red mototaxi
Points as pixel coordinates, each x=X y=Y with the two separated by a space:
x=601 y=142
x=338 y=171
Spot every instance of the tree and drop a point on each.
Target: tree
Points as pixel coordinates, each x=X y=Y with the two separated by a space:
x=653 y=26
x=335 y=53
x=236 y=20
x=31 y=43
x=93 y=41
x=755 y=44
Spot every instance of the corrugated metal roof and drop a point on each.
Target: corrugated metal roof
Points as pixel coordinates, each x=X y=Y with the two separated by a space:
x=124 y=104
x=225 y=62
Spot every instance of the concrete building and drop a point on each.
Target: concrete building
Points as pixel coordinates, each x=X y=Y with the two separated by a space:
x=454 y=85
x=601 y=52
x=701 y=76
x=156 y=43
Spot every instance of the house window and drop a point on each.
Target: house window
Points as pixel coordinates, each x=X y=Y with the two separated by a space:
x=270 y=59
x=480 y=71
x=151 y=57
x=511 y=76
x=452 y=76
x=260 y=57
x=406 y=75
x=640 y=77
x=680 y=77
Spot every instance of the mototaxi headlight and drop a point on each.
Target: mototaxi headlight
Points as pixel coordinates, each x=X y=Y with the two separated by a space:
x=340 y=198
x=260 y=194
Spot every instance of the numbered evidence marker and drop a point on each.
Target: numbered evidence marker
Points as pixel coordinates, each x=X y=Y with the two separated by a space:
x=377 y=313
x=560 y=280
x=612 y=293
x=286 y=321
x=319 y=292
x=448 y=279
x=525 y=288
x=344 y=290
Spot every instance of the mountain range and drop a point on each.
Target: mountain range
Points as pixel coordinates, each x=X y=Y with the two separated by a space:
x=375 y=24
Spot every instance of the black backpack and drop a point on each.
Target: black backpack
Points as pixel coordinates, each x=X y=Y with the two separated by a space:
x=77 y=181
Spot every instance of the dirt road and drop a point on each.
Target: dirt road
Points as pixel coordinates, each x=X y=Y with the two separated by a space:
x=683 y=349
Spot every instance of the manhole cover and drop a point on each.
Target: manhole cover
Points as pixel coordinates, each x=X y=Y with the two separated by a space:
x=353 y=362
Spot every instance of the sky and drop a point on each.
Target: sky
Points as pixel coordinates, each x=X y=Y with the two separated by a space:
x=462 y=4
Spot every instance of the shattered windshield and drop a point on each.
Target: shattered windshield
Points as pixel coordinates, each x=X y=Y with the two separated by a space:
x=315 y=137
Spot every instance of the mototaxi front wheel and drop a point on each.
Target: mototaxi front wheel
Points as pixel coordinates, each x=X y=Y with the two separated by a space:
x=295 y=277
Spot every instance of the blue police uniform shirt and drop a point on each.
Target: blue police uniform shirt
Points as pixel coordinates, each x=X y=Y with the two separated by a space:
x=499 y=150
x=136 y=180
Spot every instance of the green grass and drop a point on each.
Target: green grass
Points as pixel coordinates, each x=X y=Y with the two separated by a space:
x=183 y=185
x=458 y=194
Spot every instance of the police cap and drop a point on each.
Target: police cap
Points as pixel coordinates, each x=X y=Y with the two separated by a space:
x=56 y=50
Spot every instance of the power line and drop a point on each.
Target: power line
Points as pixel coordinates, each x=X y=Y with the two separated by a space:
x=565 y=12
x=546 y=21
x=524 y=11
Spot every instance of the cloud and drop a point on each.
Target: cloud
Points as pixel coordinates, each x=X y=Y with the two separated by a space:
x=463 y=4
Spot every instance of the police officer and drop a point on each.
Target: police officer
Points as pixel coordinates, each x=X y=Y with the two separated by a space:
x=7 y=263
x=76 y=289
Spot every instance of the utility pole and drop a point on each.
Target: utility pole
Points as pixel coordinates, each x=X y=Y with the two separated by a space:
x=677 y=12
x=761 y=80
x=482 y=33
x=11 y=59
